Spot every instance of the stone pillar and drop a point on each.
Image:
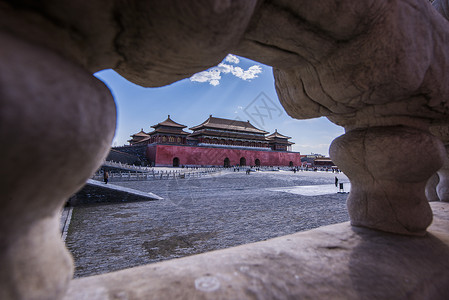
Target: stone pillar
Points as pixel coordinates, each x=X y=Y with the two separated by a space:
x=56 y=125
x=389 y=168
x=431 y=188
x=443 y=173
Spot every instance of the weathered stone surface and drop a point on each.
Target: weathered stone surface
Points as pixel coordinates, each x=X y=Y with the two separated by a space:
x=360 y=63
x=442 y=189
x=151 y=43
x=441 y=132
x=431 y=188
x=388 y=176
x=379 y=73
x=56 y=124
x=83 y=33
x=332 y=262
x=162 y=42
x=443 y=174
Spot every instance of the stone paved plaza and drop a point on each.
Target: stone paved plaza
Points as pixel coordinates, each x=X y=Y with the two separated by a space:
x=198 y=215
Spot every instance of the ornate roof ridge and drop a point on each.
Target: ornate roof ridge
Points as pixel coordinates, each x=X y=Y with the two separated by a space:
x=222 y=123
x=140 y=133
x=169 y=123
x=276 y=134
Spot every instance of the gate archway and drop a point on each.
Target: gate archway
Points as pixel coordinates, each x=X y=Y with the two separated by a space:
x=243 y=161
x=226 y=163
x=176 y=162
x=257 y=162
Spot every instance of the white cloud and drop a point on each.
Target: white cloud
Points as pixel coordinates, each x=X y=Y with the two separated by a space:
x=225 y=68
x=232 y=59
x=237 y=72
x=214 y=82
x=253 y=71
x=213 y=75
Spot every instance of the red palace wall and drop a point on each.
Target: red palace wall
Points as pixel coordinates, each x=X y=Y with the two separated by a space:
x=163 y=155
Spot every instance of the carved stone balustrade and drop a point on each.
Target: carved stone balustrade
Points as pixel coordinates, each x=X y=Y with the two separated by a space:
x=56 y=125
x=442 y=187
x=431 y=188
x=380 y=69
x=443 y=184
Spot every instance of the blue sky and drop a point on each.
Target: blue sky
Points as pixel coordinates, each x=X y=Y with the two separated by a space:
x=238 y=88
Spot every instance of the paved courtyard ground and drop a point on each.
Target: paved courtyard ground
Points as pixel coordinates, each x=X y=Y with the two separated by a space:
x=201 y=214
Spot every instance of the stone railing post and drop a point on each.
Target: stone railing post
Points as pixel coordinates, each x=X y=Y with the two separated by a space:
x=56 y=125
x=443 y=174
x=439 y=190
x=388 y=176
x=431 y=188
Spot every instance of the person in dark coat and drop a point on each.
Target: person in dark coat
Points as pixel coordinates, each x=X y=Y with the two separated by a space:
x=336 y=181
x=105 y=176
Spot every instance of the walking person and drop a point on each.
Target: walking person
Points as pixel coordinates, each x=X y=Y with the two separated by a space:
x=336 y=181
x=105 y=176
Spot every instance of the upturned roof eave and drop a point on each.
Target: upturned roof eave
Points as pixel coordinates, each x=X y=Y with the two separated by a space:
x=181 y=132
x=168 y=122
x=245 y=127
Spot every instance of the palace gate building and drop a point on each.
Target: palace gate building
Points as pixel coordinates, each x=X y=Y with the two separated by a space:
x=215 y=142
